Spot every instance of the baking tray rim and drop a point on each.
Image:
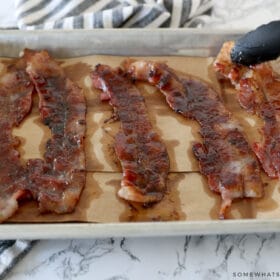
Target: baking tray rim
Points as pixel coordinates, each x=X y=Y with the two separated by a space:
x=136 y=229
x=131 y=229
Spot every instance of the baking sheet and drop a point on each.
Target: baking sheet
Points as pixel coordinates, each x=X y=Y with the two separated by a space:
x=260 y=216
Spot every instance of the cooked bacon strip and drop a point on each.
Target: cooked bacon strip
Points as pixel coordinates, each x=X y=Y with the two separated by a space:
x=57 y=181
x=225 y=156
x=143 y=156
x=15 y=104
x=258 y=91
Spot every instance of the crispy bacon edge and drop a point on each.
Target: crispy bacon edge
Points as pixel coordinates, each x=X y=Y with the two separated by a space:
x=58 y=180
x=258 y=92
x=15 y=104
x=143 y=156
x=232 y=179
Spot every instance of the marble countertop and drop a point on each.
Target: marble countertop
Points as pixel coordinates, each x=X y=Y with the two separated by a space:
x=253 y=256
x=185 y=257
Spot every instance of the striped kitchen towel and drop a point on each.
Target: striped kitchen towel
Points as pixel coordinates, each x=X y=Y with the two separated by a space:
x=11 y=251
x=73 y=14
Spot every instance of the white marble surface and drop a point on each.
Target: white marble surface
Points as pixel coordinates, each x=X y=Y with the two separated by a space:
x=201 y=257
x=198 y=257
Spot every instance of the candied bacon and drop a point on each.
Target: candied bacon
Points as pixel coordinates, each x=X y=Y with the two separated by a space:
x=258 y=91
x=57 y=181
x=15 y=103
x=143 y=156
x=225 y=157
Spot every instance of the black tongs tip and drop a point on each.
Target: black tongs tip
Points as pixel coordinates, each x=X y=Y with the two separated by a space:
x=257 y=46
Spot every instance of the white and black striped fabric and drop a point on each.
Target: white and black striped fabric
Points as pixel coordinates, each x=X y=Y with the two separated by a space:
x=11 y=251
x=88 y=14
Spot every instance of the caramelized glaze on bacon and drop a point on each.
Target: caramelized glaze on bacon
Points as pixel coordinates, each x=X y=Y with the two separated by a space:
x=57 y=181
x=143 y=156
x=15 y=104
x=225 y=156
x=258 y=91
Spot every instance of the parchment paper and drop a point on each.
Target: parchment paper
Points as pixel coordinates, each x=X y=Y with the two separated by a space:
x=188 y=196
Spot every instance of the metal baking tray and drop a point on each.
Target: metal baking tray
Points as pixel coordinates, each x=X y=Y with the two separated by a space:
x=128 y=42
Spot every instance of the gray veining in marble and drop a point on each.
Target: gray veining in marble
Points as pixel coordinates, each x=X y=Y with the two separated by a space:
x=199 y=257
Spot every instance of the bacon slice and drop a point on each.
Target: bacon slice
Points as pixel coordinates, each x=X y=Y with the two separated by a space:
x=15 y=103
x=225 y=157
x=143 y=156
x=57 y=181
x=258 y=91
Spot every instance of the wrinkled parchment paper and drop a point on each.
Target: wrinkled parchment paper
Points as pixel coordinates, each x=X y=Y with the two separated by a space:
x=188 y=196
